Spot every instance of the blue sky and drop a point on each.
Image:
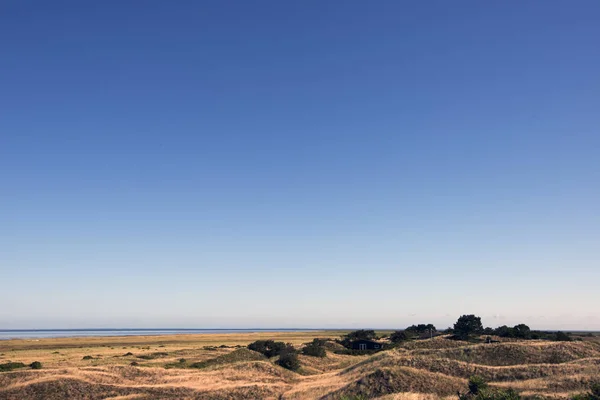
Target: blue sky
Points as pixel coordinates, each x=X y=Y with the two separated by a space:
x=299 y=164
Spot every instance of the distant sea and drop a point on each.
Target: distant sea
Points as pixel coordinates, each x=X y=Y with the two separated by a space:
x=53 y=333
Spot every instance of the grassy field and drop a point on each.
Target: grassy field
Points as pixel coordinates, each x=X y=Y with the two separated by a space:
x=100 y=367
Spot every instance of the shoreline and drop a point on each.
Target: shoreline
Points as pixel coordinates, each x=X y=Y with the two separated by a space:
x=187 y=339
x=38 y=334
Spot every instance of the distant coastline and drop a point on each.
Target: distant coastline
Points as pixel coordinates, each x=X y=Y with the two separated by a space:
x=7 y=334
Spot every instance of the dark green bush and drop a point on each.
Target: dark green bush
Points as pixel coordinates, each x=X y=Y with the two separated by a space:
x=421 y=328
x=289 y=360
x=269 y=348
x=88 y=357
x=35 y=365
x=9 y=366
x=398 y=336
x=476 y=384
x=562 y=337
x=315 y=348
x=593 y=394
x=479 y=390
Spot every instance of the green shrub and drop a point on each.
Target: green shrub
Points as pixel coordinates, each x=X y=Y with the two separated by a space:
x=398 y=336
x=269 y=348
x=315 y=349
x=152 y=356
x=9 y=366
x=593 y=394
x=476 y=384
x=562 y=337
x=88 y=357
x=289 y=360
x=36 y=365
x=479 y=390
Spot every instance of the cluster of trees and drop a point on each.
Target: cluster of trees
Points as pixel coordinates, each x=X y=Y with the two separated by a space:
x=421 y=328
x=470 y=325
x=522 y=331
x=466 y=327
x=288 y=356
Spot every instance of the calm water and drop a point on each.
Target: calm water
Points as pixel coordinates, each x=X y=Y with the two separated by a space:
x=50 y=333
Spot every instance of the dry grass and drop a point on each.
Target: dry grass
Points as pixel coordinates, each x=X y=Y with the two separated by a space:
x=420 y=370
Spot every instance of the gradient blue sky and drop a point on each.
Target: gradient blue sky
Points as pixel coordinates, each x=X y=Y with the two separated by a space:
x=217 y=164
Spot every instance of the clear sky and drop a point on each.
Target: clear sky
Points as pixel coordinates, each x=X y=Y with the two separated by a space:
x=217 y=164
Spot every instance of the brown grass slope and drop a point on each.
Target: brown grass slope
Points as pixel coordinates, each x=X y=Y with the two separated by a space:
x=503 y=354
x=419 y=370
x=400 y=379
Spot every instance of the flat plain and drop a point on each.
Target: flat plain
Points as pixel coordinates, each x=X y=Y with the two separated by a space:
x=101 y=368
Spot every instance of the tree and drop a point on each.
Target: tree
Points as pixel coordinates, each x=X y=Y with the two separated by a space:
x=398 y=336
x=421 y=328
x=488 y=331
x=467 y=325
x=505 y=331
x=522 y=331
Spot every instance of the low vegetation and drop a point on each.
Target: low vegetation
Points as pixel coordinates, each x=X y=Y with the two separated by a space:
x=9 y=366
x=512 y=365
x=593 y=394
x=288 y=359
x=398 y=337
x=236 y=356
x=479 y=390
x=35 y=365
x=152 y=356
x=269 y=348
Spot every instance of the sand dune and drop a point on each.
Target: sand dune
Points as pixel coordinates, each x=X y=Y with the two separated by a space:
x=422 y=370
